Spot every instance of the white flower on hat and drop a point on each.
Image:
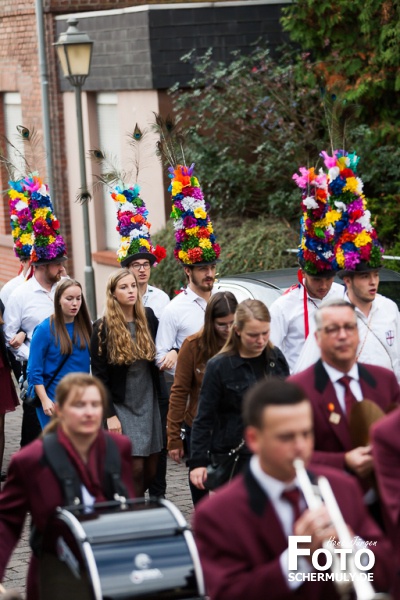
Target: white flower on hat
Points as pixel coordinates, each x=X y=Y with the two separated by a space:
x=190 y=203
x=178 y=224
x=360 y=186
x=365 y=221
x=310 y=202
x=127 y=206
x=43 y=190
x=135 y=233
x=333 y=173
x=340 y=205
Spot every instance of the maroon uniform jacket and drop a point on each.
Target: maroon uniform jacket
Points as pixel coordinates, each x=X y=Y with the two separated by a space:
x=332 y=440
x=240 y=539
x=386 y=452
x=31 y=486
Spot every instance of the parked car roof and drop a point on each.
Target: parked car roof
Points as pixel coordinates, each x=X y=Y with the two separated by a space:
x=269 y=285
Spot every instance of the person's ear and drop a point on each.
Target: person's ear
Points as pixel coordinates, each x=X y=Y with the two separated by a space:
x=251 y=437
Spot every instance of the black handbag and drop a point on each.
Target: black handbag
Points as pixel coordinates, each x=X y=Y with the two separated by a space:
x=222 y=468
x=34 y=400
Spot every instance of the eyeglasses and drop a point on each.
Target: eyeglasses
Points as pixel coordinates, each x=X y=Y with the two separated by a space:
x=334 y=330
x=223 y=325
x=140 y=267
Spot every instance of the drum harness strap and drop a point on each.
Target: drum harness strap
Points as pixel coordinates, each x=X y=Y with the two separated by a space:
x=57 y=459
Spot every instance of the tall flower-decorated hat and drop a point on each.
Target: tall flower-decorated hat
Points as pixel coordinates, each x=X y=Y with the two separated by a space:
x=132 y=224
x=134 y=228
x=317 y=231
x=35 y=229
x=48 y=243
x=21 y=220
x=356 y=246
x=196 y=243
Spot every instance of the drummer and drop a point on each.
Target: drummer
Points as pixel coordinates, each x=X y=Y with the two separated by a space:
x=32 y=486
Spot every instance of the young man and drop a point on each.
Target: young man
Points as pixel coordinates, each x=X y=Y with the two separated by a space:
x=184 y=315
x=291 y=314
x=378 y=320
x=140 y=266
x=242 y=530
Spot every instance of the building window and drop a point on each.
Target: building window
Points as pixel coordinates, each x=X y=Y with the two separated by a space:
x=13 y=118
x=109 y=138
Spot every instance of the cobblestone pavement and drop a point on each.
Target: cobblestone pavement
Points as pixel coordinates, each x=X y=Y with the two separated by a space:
x=177 y=492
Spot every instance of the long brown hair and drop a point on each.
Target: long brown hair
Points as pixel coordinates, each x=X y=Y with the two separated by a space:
x=72 y=384
x=121 y=348
x=82 y=322
x=246 y=311
x=220 y=305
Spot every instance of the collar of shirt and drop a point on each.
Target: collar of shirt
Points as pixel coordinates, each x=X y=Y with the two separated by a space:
x=334 y=375
x=193 y=297
x=273 y=488
x=36 y=287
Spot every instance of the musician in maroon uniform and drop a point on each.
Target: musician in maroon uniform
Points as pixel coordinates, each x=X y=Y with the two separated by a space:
x=335 y=383
x=242 y=530
x=31 y=484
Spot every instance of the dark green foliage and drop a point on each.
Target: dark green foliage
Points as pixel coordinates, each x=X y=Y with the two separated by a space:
x=247 y=245
x=355 y=45
x=249 y=124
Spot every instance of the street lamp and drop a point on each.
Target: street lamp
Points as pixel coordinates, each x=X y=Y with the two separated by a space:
x=74 y=49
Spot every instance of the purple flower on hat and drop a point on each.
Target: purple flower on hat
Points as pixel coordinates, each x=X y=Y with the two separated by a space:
x=189 y=222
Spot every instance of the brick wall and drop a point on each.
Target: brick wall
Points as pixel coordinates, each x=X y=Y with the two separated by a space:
x=19 y=72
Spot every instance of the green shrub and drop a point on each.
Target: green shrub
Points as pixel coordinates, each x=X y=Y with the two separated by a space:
x=247 y=245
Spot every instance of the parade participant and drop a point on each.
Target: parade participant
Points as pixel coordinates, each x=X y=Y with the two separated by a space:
x=32 y=486
x=32 y=302
x=138 y=254
x=123 y=351
x=196 y=247
x=335 y=383
x=291 y=313
x=60 y=345
x=358 y=254
x=196 y=350
x=247 y=356
x=250 y=559
x=386 y=453
x=9 y=399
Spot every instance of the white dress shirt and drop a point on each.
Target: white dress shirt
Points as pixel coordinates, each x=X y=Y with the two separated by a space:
x=28 y=305
x=155 y=299
x=284 y=511
x=10 y=286
x=334 y=375
x=379 y=338
x=182 y=317
x=287 y=320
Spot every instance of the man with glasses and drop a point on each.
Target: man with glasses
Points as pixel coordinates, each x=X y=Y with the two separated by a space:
x=151 y=296
x=336 y=383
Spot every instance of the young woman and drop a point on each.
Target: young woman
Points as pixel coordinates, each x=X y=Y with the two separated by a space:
x=60 y=345
x=8 y=396
x=196 y=350
x=247 y=356
x=32 y=486
x=123 y=352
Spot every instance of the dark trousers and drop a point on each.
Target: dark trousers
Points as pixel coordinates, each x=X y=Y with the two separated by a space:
x=159 y=486
x=195 y=492
x=30 y=428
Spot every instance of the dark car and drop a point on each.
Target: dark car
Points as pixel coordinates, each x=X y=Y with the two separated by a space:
x=269 y=285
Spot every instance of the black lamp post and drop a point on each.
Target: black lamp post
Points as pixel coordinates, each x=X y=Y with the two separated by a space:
x=74 y=49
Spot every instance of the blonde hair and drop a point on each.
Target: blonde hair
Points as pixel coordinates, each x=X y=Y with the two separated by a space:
x=72 y=384
x=246 y=311
x=121 y=348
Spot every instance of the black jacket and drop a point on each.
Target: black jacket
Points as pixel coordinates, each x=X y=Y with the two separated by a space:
x=114 y=376
x=218 y=426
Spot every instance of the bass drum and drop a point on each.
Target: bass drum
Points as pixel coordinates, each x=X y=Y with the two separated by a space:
x=142 y=550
